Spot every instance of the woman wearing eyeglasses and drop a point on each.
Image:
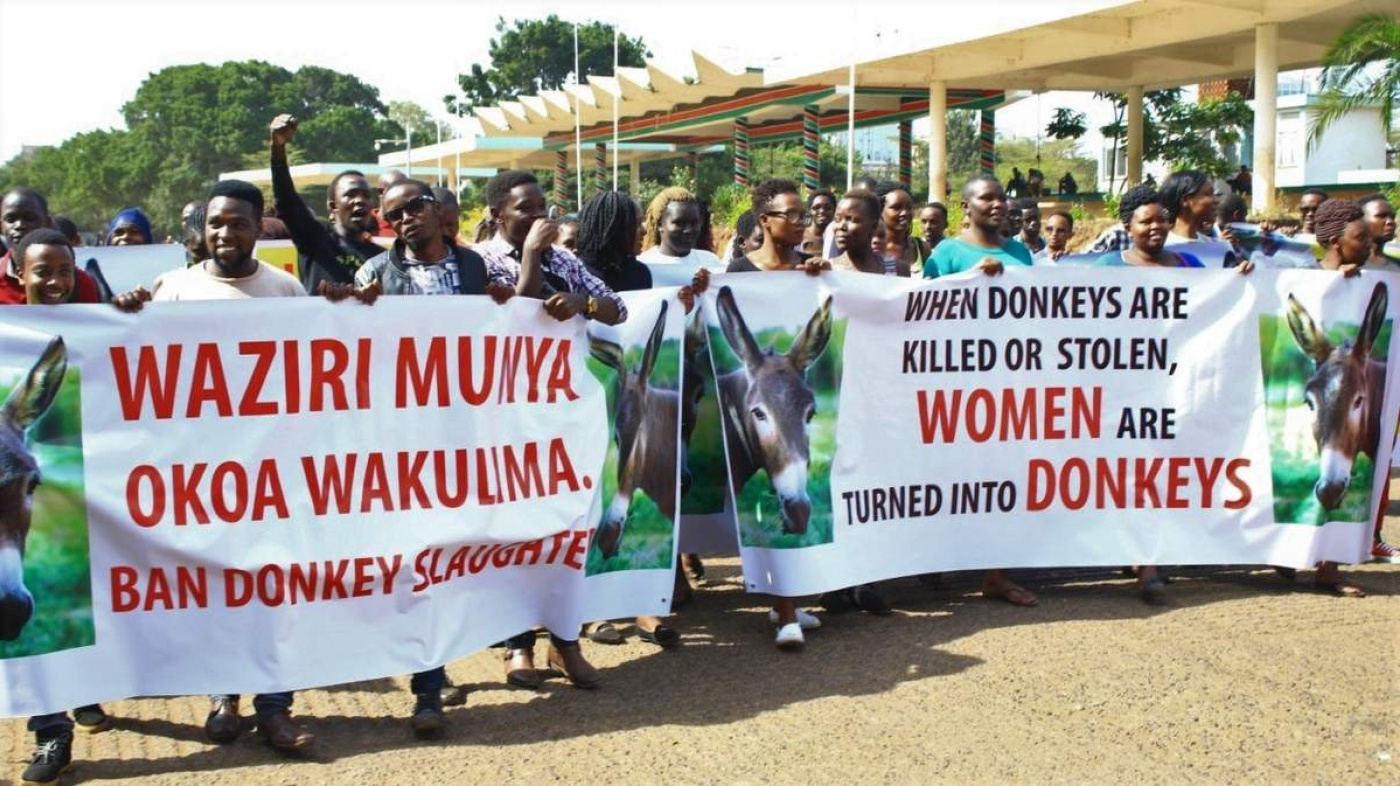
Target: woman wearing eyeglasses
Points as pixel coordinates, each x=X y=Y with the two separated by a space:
x=783 y=218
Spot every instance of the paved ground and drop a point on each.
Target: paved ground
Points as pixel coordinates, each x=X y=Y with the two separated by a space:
x=1241 y=680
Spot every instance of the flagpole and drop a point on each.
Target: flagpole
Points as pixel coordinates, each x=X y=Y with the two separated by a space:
x=578 y=129
x=617 y=99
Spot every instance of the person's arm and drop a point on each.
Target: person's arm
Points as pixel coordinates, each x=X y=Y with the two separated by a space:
x=307 y=233
x=608 y=306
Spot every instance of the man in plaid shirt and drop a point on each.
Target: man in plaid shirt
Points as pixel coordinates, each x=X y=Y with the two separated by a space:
x=522 y=254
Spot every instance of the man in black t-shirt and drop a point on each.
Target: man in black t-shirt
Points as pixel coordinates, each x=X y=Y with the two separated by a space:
x=324 y=254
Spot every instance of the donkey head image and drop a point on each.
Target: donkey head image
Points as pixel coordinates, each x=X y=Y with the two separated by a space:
x=1345 y=394
x=645 y=432
x=19 y=475
x=768 y=406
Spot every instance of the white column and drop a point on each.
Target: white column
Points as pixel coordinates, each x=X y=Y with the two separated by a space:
x=634 y=175
x=1133 y=175
x=1265 y=115
x=938 y=142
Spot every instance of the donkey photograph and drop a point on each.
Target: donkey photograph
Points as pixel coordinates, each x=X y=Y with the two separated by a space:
x=646 y=425
x=1345 y=393
x=768 y=406
x=19 y=477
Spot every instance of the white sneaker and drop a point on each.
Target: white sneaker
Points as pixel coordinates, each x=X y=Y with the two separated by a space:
x=807 y=621
x=789 y=637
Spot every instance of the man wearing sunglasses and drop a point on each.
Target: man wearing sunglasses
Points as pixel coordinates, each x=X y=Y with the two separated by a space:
x=423 y=260
x=331 y=255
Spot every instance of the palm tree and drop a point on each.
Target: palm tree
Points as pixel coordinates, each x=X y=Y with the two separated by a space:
x=1361 y=69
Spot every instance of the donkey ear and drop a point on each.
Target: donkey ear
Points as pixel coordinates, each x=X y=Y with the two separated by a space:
x=605 y=352
x=1305 y=332
x=36 y=392
x=653 y=349
x=1371 y=323
x=736 y=332
x=695 y=332
x=811 y=342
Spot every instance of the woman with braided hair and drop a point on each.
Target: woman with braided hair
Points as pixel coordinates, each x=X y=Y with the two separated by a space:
x=609 y=237
x=674 y=224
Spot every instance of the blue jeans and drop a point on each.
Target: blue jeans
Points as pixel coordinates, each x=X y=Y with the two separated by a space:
x=265 y=705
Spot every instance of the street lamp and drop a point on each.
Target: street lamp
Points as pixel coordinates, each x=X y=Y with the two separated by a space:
x=378 y=143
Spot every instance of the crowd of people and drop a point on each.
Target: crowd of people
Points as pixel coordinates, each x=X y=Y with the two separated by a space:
x=576 y=267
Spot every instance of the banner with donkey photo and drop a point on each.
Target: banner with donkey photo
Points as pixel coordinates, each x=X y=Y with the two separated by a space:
x=319 y=493
x=707 y=513
x=1051 y=417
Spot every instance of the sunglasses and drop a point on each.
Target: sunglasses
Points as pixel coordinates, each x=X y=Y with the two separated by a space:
x=792 y=216
x=412 y=207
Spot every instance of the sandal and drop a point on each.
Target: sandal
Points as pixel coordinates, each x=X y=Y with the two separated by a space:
x=605 y=633
x=1341 y=588
x=663 y=636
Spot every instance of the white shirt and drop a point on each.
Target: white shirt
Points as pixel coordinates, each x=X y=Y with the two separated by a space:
x=698 y=257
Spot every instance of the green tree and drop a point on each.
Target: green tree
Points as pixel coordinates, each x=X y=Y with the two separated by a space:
x=1362 y=69
x=530 y=55
x=962 y=154
x=186 y=124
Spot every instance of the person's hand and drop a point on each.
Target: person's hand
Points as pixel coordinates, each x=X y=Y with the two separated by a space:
x=1246 y=267
x=500 y=292
x=338 y=292
x=564 y=306
x=1289 y=231
x=282 y=129
x=989 y=265
x=133 y=301
x=813 y=266
x=701 y=282
x=1350 y=271
x=369 y=294
x=687 y=298
x=542 y=235
x=1228 y=235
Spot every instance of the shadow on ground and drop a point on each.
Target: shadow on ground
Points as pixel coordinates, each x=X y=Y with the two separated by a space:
x=727 y=669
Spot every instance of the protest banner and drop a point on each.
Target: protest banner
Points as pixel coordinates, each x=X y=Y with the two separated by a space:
x=707 y=513
x=240 y=496
x=1050 y=417
x=124 y=268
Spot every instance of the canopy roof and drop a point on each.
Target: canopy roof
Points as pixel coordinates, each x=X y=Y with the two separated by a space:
x=1094 y=45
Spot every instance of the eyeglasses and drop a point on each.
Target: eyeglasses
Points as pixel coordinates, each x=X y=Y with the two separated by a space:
x=412 y=207
x=792 y=216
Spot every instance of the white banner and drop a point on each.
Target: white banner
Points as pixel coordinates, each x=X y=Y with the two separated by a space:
x=1051 y=417
x=249 y=496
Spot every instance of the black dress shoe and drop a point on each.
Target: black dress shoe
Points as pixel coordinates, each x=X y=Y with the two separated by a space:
x=865 y=599
x=224 y=724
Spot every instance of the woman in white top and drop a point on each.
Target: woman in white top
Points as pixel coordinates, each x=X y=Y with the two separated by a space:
x=1189 y=197
x=673 y=227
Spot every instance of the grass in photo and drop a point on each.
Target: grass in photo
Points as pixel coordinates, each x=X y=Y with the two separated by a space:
x=1320 y=384
x=49 y=607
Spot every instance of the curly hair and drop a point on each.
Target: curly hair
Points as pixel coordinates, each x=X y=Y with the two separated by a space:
x=1136 y=197
x=764 y=193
